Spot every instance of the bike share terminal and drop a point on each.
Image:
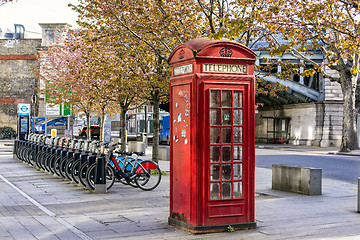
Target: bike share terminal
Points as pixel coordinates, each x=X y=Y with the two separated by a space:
x=212 y=139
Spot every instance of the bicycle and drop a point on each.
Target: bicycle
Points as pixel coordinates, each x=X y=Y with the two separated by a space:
x=145 y=174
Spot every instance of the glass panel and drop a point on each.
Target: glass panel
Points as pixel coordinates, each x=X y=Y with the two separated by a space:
x=237 y=134
x=214 y=190
x=238 y=116
x=215 y=172
x=226 y=99
x=226 y=172
x=226 y=117
x=215 y=117
x=237 y=99
x=226 y=154
x=237 y=173
x=237 y=153
x=237 y=186
x=226 y=190
x=215 y=98
x=215 y=153
x=214 y=135
x=226 y=135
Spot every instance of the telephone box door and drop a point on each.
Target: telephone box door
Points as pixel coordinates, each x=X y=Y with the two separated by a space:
x=228 y=158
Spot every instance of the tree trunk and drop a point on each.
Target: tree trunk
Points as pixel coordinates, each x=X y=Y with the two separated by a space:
x=349 y=136
x=102 y=124
x=88 y=132
x=123 y=128
x=155 y=147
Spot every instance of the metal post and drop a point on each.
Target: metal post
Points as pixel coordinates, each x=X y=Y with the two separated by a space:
x=100 y=180
x=45 y=125
x=358 y=205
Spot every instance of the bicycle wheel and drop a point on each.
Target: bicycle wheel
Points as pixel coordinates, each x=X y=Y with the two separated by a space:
x=51 y=164
x=62 y=167
x=47 y=162
x=75 y=171
x=148 y=175
x=82 y=174
x=32 y=157
x=56 y=165
x=38 y=159
x=42 y=160
x=109 y=175
x=68 y=168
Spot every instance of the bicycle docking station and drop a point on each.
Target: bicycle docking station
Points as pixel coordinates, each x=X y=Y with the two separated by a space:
x=100 y=179
x=89 y=164
x=212 y=136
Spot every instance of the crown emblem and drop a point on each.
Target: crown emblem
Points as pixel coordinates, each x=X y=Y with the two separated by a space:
x=225 y=52
x=181 y=54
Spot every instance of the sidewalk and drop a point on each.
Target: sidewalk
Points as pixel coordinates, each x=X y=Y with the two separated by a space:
x=36 y=205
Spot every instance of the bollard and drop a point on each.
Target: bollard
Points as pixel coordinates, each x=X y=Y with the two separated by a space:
x=91 y=161
x=100 y=180
x=358 y=205
x=16 y=142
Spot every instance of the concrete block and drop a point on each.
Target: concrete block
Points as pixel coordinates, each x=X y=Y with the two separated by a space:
x=164 y=153
x=303 y=180
x=136 y=147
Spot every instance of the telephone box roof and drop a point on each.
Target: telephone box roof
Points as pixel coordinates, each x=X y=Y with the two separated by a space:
x=199 y=45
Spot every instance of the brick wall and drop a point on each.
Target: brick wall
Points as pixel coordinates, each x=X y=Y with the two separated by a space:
x=17 y=59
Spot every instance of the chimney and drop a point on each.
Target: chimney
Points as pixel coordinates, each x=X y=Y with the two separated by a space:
x=51 y=33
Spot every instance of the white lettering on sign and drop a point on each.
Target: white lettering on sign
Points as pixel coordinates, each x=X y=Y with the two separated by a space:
x=11 y=43
x=224 y=68
x=183 y=69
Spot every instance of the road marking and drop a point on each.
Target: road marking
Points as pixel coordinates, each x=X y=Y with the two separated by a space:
x=79 y=233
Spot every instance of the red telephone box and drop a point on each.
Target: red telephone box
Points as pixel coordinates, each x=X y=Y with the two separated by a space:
x=212 y=143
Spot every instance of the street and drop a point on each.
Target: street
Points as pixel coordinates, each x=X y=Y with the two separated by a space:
x=337 y=167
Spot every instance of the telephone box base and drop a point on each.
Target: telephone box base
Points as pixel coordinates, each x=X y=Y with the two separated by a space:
x=211 y=228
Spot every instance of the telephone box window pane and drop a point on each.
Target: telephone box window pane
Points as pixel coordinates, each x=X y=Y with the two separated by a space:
x=215 y=99
x=215 y=153
x=237 y=186
x=226 y=117
x=238 y=99
x=215 y=135
x=237 y=134
x=237 y=153
x=226 y=154
x=237 y=172
x=215 y=172
x=238 y=117
x=226 y=135
x=226 y=190
x=226 y=172
x=214 y=190
x=226 y=99
x=215 y=116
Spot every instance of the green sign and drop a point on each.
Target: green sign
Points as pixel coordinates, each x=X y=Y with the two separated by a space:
x=57 y=109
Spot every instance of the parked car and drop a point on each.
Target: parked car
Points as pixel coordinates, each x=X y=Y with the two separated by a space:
x=95 y=131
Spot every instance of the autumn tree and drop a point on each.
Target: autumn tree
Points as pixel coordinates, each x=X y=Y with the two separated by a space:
x=152 y=28
x=330 y=26
x=68 y=78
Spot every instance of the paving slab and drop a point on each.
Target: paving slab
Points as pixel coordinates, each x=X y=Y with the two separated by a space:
x=37 y=205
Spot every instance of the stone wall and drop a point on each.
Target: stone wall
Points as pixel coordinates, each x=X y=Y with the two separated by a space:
x=18 y=81
x=318 y=124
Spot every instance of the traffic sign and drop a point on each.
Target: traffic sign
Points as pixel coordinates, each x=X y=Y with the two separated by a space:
x=23 y=109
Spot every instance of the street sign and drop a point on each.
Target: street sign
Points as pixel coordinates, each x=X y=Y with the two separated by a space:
x=57 y=109
x=23 y=109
